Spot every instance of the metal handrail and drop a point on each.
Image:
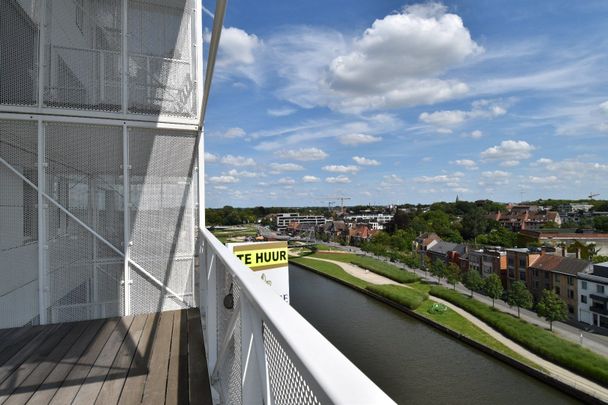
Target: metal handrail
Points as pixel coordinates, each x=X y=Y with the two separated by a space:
x=330 y=375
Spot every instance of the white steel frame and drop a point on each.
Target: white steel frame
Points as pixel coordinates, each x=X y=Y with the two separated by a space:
x=327 y=372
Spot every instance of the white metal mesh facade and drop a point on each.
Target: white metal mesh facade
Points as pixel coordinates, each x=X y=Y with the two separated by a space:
x=85 y=88
x=18 y=225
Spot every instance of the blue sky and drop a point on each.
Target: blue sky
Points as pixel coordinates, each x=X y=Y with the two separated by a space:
x=393 y=102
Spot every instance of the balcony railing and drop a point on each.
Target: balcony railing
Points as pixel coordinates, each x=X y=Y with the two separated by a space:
x=260 y=350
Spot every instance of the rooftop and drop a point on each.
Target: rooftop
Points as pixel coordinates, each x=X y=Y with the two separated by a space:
x=560 y=264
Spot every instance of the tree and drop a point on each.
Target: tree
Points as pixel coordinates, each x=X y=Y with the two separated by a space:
x=551 y=307
x=474 y=223
x=438 y=269
x=498 y=237
x=601 y=223
x=519 y=296
x=492 y=286
x=473 y=281
x=453 y=274
x=427 y=264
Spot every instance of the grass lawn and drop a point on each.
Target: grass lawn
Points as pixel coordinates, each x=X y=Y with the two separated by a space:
x=538 y=340
x=321 y=246
x=371 y=264
x=403 y=295
x=463 y=326
x=329 y=269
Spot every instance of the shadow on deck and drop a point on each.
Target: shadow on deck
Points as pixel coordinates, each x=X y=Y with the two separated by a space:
x=152 y=359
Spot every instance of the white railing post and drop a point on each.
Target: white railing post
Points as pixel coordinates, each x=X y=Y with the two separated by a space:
x=254 y=368
x=127 y=221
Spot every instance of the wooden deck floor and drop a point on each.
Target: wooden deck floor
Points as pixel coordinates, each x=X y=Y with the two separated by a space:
x=151 y=359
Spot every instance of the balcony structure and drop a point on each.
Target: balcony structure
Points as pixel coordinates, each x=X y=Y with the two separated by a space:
x=102 y=216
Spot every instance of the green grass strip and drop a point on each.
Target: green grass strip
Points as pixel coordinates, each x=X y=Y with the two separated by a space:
x=384 y=269
x=403 y=295
x=536 y=339
x=330 y=269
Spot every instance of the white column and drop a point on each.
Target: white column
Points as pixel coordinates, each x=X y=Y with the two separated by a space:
x=125 y=58
x=127 y=220
x=43 y=281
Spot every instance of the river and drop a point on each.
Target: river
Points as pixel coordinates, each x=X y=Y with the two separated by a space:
x=409 y=360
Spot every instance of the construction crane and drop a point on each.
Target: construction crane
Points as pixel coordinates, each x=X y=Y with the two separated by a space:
x=340 y=198
x=591 y=195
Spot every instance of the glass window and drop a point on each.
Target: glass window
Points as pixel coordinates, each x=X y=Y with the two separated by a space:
x=570 y=294
x=557 y=290
x=570 y=280
x=556 y=277
x=522 y=275
x=600 y=289
x=523 y=262
x=584 y=285
x=584 y=299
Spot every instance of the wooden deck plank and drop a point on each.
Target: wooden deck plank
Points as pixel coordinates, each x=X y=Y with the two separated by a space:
x=19 y=339
x=68 y=390
x=26 y=389
x=156 y=383
x=177 y=379
x=133 y=390
x=92 y=384
x=25 y=352
x=53 y=381
x=113 y=385
x=198 y=375
x=22 y=370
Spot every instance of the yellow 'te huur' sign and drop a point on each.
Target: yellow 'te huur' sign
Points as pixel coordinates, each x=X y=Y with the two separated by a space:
x=264 y=256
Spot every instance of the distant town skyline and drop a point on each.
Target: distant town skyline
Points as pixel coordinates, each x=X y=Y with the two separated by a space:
x=393 y=102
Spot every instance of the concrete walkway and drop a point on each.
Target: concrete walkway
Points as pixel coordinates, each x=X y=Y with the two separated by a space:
x=552 y=369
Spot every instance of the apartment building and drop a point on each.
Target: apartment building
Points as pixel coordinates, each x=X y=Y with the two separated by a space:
x=557 y=273
x=518 y=261
x=489 y=261
x=284 y=219
x=593 y=296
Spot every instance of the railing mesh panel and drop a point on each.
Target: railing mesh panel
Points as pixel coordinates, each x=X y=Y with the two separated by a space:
x=230 y=369
x=287 y=385
x=161 y=217
x=84 y=175
x=161 y=70
x=19 y=26
x=18 y=225
x=83 y=54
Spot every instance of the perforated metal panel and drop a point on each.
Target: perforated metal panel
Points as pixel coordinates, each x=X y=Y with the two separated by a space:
x=18 y=225
x=83 y=54
x=84 y=175
x=287 y=385
x=161 y=70
x=19 y=24
x=162 y=215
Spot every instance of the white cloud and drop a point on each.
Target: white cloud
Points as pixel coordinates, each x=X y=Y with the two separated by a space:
x=604 y=107
x=449 y=179
x=341 y=169
x=223 y=179
x=285 y=167
x=243 y=173
x=211 y=158
x=543 y=180
x=509 y=152
x=238 y=161
x=310 y=179
x=234 y=133
x=466 y=163
x=237 y=52
x=280 y=112
x=363 y=161
x=451 y=118
x=390 y=181
x=358 y=139
x=476 y=134
x=396 y=62
x=339 y=179
x=303 y=154
x=494 y=178
x=286 y=181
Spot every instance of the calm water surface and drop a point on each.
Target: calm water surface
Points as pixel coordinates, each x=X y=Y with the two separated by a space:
x=412 y=362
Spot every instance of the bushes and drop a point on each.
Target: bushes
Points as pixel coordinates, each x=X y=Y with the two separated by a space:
x=402 y=295
x=545 y=344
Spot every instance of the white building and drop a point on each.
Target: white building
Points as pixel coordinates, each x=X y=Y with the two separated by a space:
x=376 y=221
x=593 y=296
x=283 y=220
x=99 y=118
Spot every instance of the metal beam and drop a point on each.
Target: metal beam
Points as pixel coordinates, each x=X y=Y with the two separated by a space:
x=216 y=32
